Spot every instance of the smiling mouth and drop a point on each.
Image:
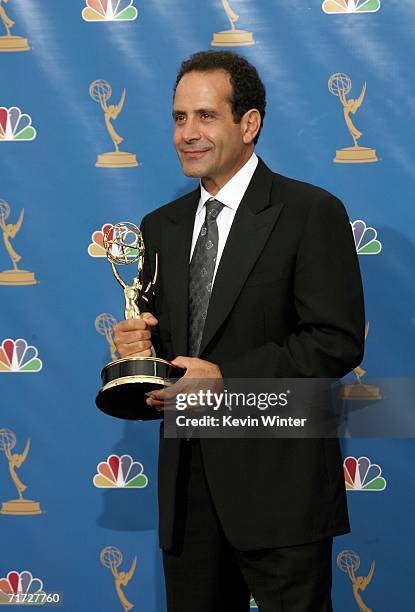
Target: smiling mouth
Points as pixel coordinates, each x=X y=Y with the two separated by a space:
x=195 y=154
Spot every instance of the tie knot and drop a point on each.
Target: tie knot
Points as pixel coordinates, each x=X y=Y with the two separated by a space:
x=213 y=208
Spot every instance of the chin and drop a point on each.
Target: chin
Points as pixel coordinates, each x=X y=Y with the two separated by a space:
x=193 y=170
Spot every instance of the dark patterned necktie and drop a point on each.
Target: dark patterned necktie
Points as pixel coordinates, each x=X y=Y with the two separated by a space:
x=202 y=267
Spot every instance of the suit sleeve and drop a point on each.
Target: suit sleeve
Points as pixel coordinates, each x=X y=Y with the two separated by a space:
x=328 y=340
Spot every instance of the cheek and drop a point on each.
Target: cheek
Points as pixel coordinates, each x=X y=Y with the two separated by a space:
x=176 y=138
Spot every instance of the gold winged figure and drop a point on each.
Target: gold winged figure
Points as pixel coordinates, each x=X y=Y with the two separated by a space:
x=8 y=23
x=16 y=460
x=101 y=91
x=359 y=584
x=122 y=579
x=232 y=16
x=9 y=231
x=232 y=37
x=111 y=113
x=14 y=276
x=9 y=42
x=352 y=105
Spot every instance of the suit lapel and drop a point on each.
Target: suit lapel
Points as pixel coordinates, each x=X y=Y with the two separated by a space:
x=252 y=225
x=177 y=241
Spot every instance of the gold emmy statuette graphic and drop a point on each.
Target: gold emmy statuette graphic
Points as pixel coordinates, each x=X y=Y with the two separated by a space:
x=14 y=276
x=360 y=391
x=11 y=43
x=104 y=324
x=101 y=92
x=340 y=85
x=349 y=562
x=21 y=506
x=232 y=37
x=126 y=381
x=112 y=558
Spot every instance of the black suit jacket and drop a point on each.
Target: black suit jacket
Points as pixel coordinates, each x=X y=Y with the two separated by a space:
x=287 y=301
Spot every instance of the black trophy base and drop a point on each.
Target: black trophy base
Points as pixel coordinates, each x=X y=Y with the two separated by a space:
x=125 y=383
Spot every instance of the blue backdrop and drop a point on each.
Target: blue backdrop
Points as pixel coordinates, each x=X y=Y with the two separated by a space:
x=51 y=173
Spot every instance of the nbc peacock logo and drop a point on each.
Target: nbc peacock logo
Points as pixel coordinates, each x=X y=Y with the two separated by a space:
x=362 y=475
x=21 y=588
x=96 y=247
x=120 y=472
x=19 y=356
x=15 y=126
x=350 y=6
x=365 y=238
x=109 y=10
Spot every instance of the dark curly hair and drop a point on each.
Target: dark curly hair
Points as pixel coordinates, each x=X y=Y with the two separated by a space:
x=248 y=89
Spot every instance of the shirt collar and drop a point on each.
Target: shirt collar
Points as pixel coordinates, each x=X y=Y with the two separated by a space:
x=233 y=191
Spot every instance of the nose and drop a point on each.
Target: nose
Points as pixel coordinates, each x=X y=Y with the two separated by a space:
x=191 y=131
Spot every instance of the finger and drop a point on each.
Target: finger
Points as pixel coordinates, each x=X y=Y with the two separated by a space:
x=132 y=336
x=149 y=319
x=154 y=403
x=138 y=349
x=130 y=325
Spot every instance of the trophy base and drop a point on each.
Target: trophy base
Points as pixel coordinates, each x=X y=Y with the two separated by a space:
x=125 y=383
x=17 y=277
x=20 y=507
x=360 y=392
x=116 y=159
x=232 y=38
x=13 y=43
x=356 y=155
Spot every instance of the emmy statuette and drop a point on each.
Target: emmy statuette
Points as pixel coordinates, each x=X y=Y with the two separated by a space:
x=126 y=381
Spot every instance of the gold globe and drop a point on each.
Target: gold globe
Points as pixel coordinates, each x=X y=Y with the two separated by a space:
x=4 y=210
x=7 y=440
x=348 y=560
x=104 y=323
x=339 y=83
x=100 y=90
x=124 y=244
x=111 y=557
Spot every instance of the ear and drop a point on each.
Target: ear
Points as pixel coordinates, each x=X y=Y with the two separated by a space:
x=250 y=124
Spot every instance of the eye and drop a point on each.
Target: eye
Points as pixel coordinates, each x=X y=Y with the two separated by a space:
x=206 y=116
x=179 y=118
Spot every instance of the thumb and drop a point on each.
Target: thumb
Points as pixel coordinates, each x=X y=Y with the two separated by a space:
x=149 y=319
x=182 y=362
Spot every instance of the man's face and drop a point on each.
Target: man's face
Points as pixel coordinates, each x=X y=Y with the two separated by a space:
x=208 y=141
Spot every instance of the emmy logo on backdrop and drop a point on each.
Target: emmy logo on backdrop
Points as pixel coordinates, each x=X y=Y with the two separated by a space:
x=350 y=6
x=9 y=42
x=104 y=324
x=21 y=588
x=109 y=10
x=232 y=37
x=111 y=557
x=360 y=391
x=13 y=276
x=21 y=506
x=340 y=85
x=100 y=91
x=360 y=474
x=349 y=562
x=365 y=238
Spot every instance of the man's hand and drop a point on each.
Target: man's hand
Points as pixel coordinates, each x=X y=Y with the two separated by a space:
x=200 y=375
x=132 y=337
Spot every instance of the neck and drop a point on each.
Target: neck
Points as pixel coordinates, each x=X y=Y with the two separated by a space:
x=213 y=184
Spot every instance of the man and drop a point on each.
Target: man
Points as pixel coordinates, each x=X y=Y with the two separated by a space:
x=280 y=296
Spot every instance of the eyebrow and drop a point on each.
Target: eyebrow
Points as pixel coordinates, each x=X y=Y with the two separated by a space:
x=199 y=111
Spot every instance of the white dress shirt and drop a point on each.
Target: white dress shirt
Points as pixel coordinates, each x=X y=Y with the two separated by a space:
x=230 y=196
